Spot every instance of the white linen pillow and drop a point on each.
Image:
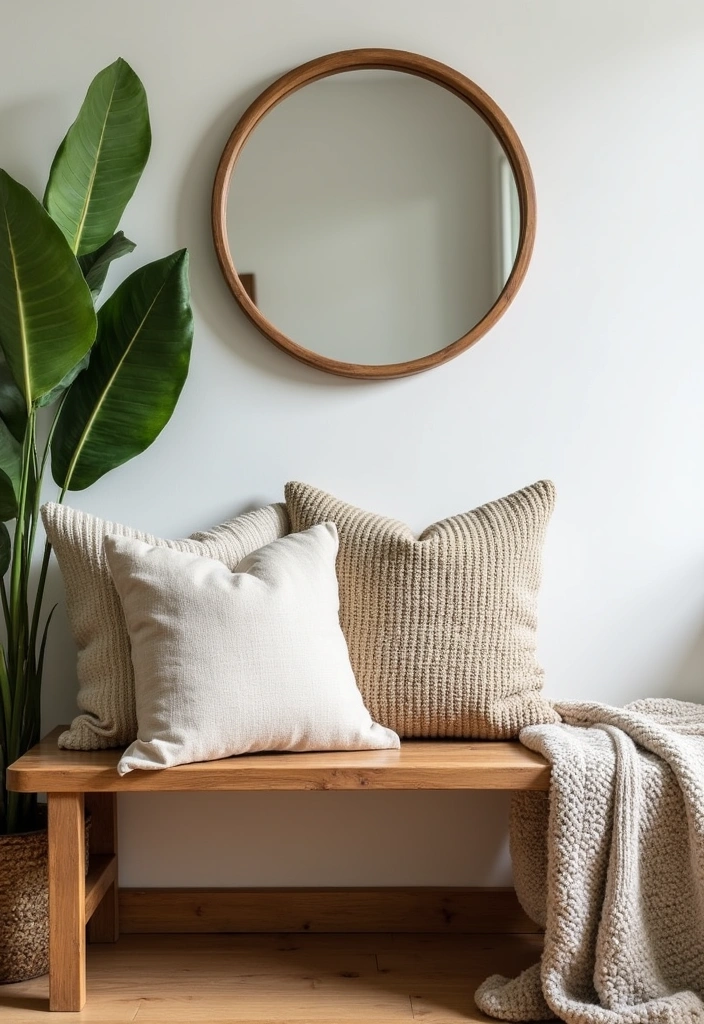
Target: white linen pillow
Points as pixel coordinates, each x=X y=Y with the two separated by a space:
x=236 y=662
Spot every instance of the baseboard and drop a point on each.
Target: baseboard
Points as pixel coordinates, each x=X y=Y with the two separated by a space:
x=323 y=910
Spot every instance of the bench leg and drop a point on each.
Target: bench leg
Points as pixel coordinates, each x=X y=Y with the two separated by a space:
x=67 y=904
x=104 y=925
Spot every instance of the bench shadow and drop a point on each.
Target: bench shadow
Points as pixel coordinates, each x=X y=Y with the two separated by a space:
x=38 y=1004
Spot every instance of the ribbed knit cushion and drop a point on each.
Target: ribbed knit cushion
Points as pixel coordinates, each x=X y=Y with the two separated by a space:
x=442 y=629
x=105 y=677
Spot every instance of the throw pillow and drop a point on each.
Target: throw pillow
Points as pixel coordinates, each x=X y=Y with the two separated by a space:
x=232 y=663
x=105 y=678
x=442 y=629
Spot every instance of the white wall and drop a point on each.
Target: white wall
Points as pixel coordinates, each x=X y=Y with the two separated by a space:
x=594 y=376
x=367 y=205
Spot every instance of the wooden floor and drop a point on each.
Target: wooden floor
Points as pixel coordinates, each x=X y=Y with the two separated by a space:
x=277 y=979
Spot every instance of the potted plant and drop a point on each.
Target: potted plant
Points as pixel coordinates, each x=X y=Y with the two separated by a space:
x=85 y=385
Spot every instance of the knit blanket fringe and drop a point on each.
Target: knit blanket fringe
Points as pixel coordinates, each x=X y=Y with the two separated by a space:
x=611 y=864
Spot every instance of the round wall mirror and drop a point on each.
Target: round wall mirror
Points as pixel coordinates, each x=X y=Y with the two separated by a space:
x=373 y=213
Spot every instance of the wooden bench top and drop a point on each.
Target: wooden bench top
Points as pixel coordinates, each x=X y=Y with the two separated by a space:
x=419 y=764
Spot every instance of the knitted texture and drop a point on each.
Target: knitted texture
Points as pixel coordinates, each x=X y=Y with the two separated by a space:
x=105 y=677
x=613 y=865
x=442 y=629
x=24 y=904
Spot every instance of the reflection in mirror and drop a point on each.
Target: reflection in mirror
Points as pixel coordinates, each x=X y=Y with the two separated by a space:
x=375 y=217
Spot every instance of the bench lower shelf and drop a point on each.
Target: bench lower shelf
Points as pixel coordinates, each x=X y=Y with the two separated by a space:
x=101 y=875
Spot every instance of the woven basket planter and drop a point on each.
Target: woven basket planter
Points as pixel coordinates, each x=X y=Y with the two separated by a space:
x=24 y=905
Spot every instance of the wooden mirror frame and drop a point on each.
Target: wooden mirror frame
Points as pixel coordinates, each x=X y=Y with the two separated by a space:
x=390 y=60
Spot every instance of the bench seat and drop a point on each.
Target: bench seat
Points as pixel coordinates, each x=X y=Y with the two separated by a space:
x=74 y=780
x=419 y=764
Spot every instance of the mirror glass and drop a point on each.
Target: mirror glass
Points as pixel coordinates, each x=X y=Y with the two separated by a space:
x=373 y=217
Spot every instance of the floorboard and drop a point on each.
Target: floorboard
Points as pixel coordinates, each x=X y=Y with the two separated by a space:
x=281 y=979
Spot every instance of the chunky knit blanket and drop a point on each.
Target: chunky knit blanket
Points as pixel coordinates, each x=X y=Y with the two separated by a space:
x=611 y=864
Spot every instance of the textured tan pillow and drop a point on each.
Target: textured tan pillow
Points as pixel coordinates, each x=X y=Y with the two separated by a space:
x=105 y=676
x=442 y=629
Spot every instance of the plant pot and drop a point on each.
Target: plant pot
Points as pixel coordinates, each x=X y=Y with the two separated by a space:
x=24 y=904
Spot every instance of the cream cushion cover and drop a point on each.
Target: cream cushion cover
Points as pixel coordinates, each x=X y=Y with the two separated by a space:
x=442 y=629
x=231 y=663
x=105 y=678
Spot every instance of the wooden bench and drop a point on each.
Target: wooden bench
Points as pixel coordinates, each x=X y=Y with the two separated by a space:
x=75 y=780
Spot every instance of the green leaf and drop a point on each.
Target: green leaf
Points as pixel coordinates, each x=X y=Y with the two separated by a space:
x=8 y=499
x=13 y=409
x=121 y=403
x=5 y=549
x=47 y=319
x=51 y=396
x=10 y=473
x=98 y=164
x=95 y=265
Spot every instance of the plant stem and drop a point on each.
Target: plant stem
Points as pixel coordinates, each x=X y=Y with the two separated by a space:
x=21 y=660
x=6 y=698
x=39 y=596
x=5 y=606
x=18 y=546
x=20 y=675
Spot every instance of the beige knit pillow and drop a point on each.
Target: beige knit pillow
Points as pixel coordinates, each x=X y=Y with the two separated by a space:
x=105 y=677
x=442 y=629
